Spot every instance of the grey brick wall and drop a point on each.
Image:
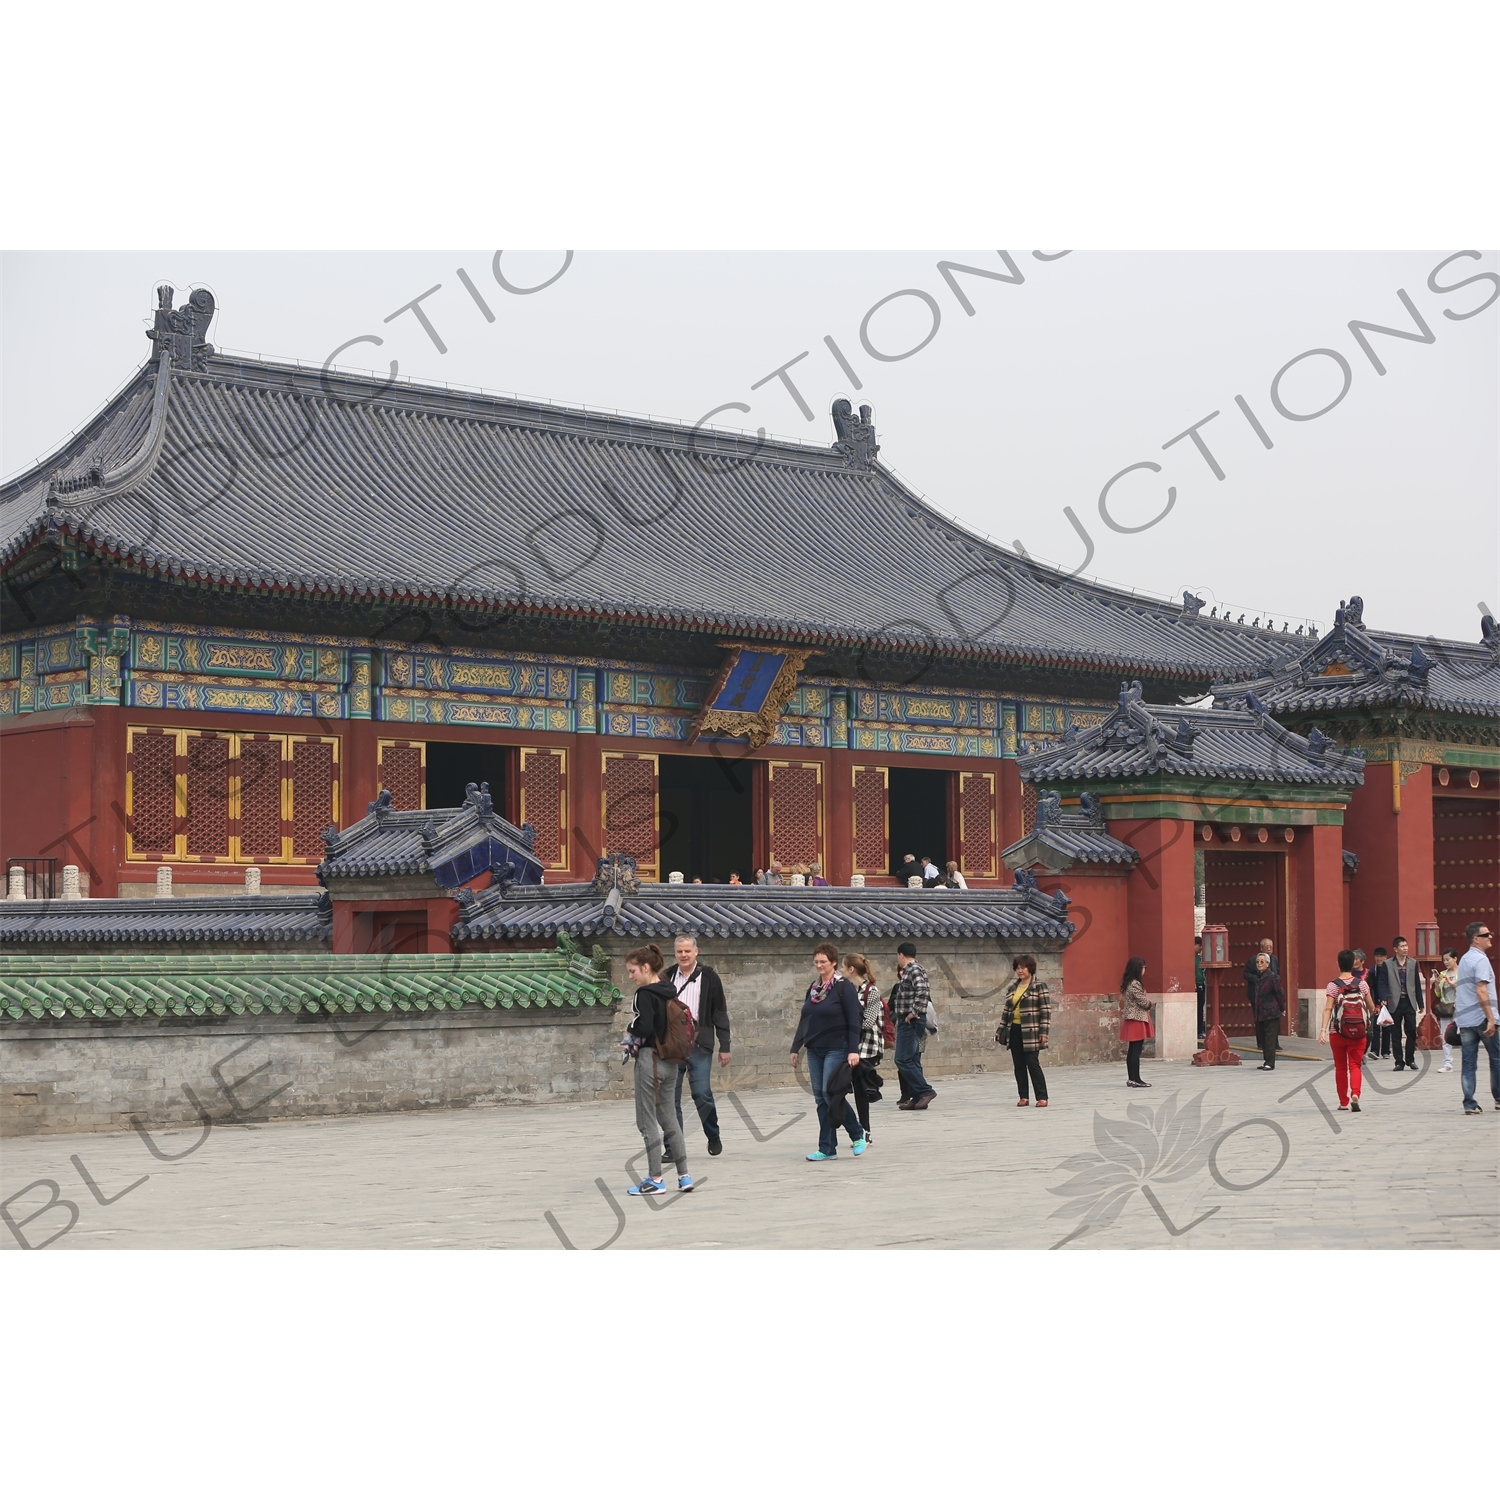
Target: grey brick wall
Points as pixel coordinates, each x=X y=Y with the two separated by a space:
x=65 y=1077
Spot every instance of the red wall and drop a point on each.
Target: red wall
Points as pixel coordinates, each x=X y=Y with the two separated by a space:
x=1316 y=909
x=46 y=791
x=1160 y=901
x=1393 y=890
x=1095 y=959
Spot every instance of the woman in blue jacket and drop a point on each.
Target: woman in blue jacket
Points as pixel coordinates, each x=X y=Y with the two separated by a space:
x=829 y=1029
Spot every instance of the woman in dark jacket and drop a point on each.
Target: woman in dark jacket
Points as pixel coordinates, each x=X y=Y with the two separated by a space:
x=1269 y=1001
x=1136 y=1028
x=1028 y=1018
x=829 y=1029
x=655 y=1112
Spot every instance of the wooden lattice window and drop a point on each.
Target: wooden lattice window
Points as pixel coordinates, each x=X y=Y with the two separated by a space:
x=261 y=800
x=976 y=822
x=403 y=772
x=630 y=809
x=544 y=803
x=872 y=820
x=151 y=793
x=314 y=778
x=205 y=795
x=208 y=795
x=796 y=802
x=1028 y=808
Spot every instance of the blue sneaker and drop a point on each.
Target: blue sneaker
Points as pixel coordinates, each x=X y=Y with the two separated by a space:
x=648 y=1187
x=684 y=1184
x=820 y=1155
x=859 y=1146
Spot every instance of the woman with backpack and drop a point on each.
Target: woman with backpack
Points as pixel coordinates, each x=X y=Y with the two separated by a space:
x=1028 y=1018
x=658 y=1029
x=1136 y=1028
x=871 y=1037
x=1346 y=1019
x=829 y=1029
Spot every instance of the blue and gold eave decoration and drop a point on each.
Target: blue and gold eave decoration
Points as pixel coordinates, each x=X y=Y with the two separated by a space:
x=747 y=696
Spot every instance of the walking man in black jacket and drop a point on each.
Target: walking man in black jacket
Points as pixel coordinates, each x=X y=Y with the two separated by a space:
x=702 y=991
x=1405 y=999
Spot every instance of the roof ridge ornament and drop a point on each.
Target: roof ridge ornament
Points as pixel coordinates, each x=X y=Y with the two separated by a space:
x=178 y=334
x=1192 y=605
x=856 y=435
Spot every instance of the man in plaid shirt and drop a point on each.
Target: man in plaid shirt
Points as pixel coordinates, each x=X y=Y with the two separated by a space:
x=909 y=1000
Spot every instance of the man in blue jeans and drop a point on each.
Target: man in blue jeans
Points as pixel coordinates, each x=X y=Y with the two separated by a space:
x=1475 y=1015
x=909 y=997
x=701 y=990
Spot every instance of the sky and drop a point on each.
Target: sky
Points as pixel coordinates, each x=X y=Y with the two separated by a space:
x=1007 y=402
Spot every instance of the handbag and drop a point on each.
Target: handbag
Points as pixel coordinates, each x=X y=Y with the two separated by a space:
x=1451 y=1035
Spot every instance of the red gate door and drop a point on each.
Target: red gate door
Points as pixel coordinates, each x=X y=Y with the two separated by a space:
x=1466 y=869
x=1243 y=893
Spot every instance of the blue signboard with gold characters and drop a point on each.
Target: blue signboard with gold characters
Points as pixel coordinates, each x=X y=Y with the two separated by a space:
x=749 y=693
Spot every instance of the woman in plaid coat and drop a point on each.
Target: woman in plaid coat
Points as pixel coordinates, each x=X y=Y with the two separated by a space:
x=1028 y=1018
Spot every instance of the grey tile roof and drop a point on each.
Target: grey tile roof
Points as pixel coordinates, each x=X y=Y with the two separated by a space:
x=1355 y=668
x=813 y=912
x=452 y=845
x=302 y=917
x=1140 y=739
x=1061 y=838
x=283 y=479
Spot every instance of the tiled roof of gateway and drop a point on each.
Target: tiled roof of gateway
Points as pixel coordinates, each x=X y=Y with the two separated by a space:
x=1140 y=739
x=300 y=917
x=1061 y=838
x=1352 y=668
x=453 y=845
x=273 y=478
x=813 y=912
x=38 y=987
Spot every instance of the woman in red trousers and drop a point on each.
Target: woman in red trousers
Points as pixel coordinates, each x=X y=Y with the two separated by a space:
x=1345 y=1021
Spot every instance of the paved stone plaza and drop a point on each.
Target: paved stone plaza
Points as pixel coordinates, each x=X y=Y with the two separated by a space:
x=1144 y=1169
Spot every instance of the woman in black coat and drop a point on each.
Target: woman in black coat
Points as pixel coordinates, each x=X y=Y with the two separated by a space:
x=829 y=1029
x=1268 y=999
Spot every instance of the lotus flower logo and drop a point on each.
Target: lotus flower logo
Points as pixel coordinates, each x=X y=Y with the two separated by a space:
x=1169 y=1144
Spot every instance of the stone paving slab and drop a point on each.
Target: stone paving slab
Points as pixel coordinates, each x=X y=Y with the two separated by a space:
x=1256 y=1164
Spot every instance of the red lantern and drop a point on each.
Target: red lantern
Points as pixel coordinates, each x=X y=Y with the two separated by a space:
x=1427 y=942
x=1216 y=947
x=1216 y=1053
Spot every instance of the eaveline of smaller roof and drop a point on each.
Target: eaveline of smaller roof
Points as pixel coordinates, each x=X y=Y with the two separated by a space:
x=1141 y=740
x=1353 y=669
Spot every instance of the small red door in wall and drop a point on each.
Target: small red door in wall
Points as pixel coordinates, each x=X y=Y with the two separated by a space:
x=1243 y=891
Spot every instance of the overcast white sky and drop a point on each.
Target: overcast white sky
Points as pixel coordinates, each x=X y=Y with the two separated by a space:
x=1004 y=418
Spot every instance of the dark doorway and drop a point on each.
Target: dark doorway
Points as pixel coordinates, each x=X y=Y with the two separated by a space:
x=706 y=818
x=451 y=766
x=919 y=816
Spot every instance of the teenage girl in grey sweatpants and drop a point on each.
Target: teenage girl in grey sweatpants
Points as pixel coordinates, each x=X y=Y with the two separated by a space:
x=655 y=1080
